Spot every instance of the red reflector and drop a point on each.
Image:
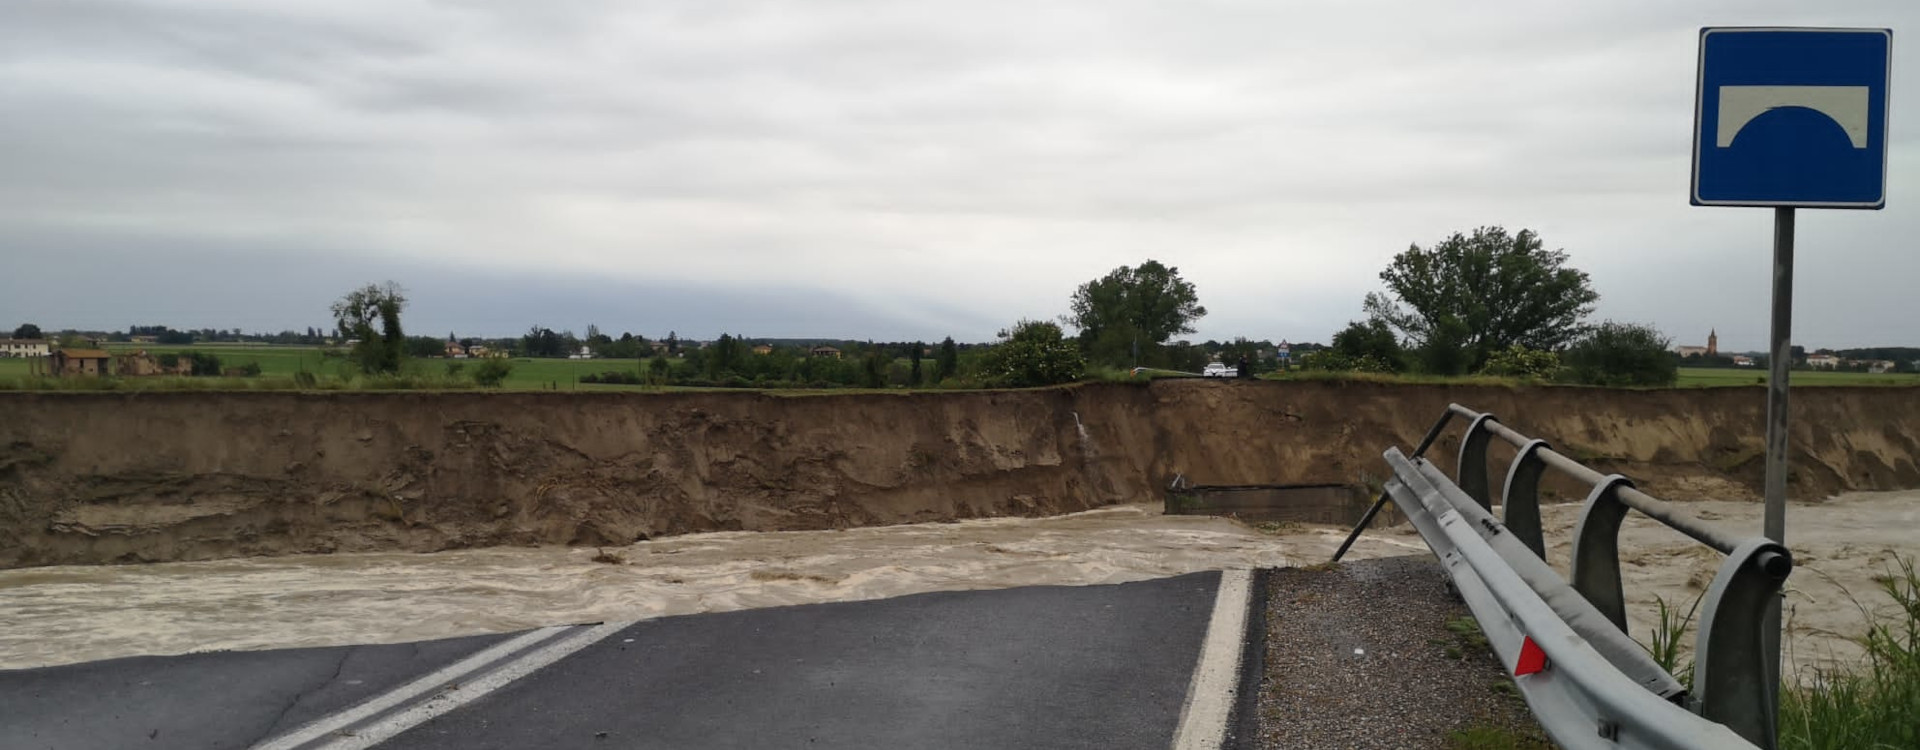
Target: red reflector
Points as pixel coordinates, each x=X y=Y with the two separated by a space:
x=1532 y=659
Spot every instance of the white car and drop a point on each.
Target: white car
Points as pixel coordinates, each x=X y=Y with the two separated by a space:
x=1218 y=370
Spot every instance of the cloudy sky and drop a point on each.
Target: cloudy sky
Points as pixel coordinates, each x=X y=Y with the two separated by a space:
x=886 y=170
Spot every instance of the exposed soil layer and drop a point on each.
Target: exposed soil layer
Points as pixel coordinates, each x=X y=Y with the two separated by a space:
x=132 y=477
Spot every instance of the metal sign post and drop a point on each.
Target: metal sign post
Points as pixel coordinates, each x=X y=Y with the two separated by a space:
x=1788 y=118
x=1780 y=361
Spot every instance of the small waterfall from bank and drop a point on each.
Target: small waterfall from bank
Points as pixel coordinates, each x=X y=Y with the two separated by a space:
x=1087 y=447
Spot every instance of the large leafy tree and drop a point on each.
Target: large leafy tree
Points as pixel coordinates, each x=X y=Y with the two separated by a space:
x=1368 y=346
x=27 y=331
x=1134 y=307
x=1468 y=296
x=358 y=311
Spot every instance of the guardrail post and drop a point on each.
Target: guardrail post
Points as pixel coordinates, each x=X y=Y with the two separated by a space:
x=1731 y=675
x=1473 y=461
x=1596 y=550
x=1520 y=497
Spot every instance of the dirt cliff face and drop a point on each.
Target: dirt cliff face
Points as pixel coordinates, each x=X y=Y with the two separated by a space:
x=127 y=477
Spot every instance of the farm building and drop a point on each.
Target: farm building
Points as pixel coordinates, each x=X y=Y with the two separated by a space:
x=90 y=363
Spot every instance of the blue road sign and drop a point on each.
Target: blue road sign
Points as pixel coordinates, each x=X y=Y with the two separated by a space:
x=1792 y=117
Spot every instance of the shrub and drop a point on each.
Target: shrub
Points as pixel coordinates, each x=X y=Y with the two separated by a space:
x=613 y=377
x=1035 y=353
x=1617 y=354
x=1329 y=360
x=1520 y=362
x=203 y=364
x=491 y=371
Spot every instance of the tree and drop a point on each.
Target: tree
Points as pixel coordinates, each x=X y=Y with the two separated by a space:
x=1368 y=346
x=1035 y=353
x=27 y=331
x=425 y=347
x=946 y=361
x=873 y=368
x=1622 y=354
x=724 y=357
x=1232 y=353
x=1134 y=311
x=913 y=378
x=356 y=314
x=1480 y=294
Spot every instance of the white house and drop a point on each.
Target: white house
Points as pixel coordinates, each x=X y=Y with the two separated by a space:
x=23 y=348
x=584 y=353
x=1823 y=361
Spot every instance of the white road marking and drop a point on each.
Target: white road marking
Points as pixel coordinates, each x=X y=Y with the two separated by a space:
x=321 y=727
x=1203 y=720
x=448 y=700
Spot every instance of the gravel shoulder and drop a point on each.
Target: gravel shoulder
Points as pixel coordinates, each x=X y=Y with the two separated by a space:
x=1361 y=655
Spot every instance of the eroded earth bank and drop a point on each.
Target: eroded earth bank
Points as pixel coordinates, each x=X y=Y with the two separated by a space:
x=90 y=478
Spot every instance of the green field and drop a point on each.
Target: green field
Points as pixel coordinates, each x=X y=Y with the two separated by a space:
x=282 y=362
x=1700 y=376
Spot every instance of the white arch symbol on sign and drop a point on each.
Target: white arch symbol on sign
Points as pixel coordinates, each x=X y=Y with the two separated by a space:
x=1846 y=105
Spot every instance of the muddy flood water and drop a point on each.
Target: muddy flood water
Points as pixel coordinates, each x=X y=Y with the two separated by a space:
x=60 y=615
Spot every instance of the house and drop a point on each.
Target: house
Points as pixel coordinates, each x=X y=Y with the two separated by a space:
x=1690 y=351
x=659 y=347
x=1742 y=360
x=1880 y=366
x=455 y=350
x=1822 y=361
x=144 y=339
x=584 y=353
x=478 y=351
x=762 y=349
x=824 y=351
x=23 y=348
x=77 y=363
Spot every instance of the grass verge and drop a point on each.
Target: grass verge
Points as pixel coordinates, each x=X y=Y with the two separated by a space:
x=1875 y=703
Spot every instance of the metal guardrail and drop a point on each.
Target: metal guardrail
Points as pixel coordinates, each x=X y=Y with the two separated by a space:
x=1596 y=688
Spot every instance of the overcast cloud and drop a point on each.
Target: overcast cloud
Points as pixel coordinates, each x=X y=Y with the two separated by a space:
x=887 y=170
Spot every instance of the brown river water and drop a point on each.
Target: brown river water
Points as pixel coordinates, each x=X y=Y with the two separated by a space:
x=61 y=615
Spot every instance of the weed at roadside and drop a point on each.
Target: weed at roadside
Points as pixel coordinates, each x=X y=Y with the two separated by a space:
x=1876 y=702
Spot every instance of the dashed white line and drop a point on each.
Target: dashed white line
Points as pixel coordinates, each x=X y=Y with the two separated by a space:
x=400 y=721
x=1203 y=720
x=321 y=727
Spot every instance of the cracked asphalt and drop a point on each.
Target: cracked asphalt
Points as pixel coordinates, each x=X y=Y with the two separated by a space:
x=1055 y=666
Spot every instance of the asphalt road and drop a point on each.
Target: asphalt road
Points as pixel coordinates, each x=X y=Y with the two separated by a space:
x=222 y=700
x=1059 y=667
